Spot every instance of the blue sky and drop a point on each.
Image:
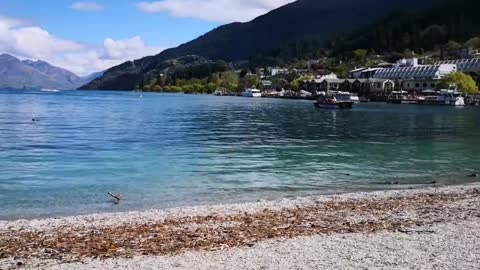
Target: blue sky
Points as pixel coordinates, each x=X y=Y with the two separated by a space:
x=119 y=19
x=93 y=35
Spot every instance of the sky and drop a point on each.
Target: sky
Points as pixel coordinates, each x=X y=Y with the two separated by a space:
x=94 y=35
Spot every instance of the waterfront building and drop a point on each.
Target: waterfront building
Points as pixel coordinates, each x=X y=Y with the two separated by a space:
x=347 y=85
x=463 y=65
x=331 y=85
x=427 y=72
x=418 y=85
x=357 y=72
x=314 y=85
x=364 y=73
x=377 y=87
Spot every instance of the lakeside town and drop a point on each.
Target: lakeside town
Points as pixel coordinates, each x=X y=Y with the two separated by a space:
x=407 y=81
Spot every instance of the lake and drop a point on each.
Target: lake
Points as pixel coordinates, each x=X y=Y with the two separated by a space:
x=168 y=150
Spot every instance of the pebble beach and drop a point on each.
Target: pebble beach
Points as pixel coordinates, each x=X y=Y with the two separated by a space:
x=435 y=227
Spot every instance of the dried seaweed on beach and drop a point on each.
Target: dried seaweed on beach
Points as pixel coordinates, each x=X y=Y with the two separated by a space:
x=216 y=232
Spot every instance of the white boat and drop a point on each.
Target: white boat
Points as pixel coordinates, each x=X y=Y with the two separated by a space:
x=449 y=97
x=252 y=92
x=50 y=90
x=345 y=96
x=334 y=101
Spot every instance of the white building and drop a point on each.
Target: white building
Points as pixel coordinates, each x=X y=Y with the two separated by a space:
x=464 y=65
x=411 y=62
x=277 y=71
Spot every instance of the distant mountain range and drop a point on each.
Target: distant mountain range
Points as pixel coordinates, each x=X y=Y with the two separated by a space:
x=18 y=74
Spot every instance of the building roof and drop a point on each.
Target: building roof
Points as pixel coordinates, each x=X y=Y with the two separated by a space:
x=377 y=80
x=417 y=72
x=467 y=65
x=334 y=80
x=358 y=69
x=371 y=69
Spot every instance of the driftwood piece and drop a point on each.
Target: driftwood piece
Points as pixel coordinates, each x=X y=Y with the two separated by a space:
x=117 y=197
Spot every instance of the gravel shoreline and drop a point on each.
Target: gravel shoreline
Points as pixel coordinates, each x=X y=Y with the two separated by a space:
x=149 y=216
x=444 y=246
x=158 y=237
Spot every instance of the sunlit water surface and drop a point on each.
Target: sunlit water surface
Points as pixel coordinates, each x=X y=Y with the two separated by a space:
x=175 y=150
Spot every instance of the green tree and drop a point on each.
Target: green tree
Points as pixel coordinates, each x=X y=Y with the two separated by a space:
x=360 y=54
x=295 y=85
x=464 y=82
x=452 y=44
x=211 y=87
x=473 y=42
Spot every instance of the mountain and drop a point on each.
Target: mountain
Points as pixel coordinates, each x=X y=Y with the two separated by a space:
x=455 y=20
x=15 y=73
x=93 y=76
x=63 y=78
x=319 y=20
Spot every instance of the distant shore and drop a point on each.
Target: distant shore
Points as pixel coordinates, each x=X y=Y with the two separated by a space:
x=103 y=240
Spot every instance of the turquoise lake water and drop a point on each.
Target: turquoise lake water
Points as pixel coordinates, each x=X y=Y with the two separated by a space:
x=175 y=150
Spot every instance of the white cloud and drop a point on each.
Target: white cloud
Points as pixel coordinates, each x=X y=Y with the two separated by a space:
x=87 y=6
x=27 y=41
x=223 y=11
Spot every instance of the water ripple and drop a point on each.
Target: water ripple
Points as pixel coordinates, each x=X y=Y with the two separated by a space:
x=174 y=150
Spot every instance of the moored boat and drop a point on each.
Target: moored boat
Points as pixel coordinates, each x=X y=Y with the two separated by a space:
x=347 y=96
x=252 y=92
x=50 y=90
x=448 y=97
x=332 y=102
x=401 y=97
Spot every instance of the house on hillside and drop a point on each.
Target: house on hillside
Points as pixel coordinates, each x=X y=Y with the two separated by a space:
x=277 y=71
x=458 y=53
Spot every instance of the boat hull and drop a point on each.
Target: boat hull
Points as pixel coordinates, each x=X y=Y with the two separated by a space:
x=338 y=105
x=254 y=95
x=402 y=101
x=459 y=102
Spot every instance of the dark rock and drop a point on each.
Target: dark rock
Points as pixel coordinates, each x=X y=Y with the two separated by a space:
x=19 y=263
x=433 y=182
x=474 y=175
x=474 y=191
